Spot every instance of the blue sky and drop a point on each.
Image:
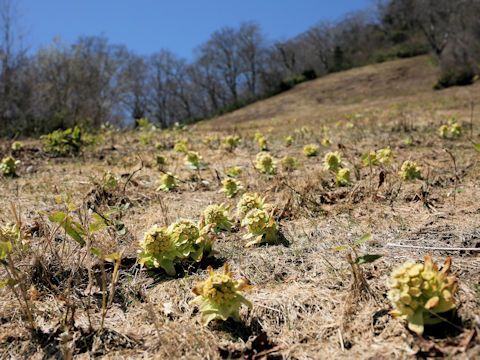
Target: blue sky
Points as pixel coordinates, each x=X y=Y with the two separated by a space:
x=146 y=26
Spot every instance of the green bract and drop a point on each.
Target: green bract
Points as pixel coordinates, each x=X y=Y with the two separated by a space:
x=332 y=162
x=261 y=225
x=410 y=170
x=219 y=296
x=289 y=163
x=231 y=187
x=265 y=164
x=9 y=166
x=217 y=215
x=248 y=202
x=167 y=182
x=310 y=150
x=343 y=177
x=419 y=292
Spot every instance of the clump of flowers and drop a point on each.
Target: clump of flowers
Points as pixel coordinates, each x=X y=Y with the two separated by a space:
x=180 y=146
x=167 y=182
x=343 y=177
x=193 y=161
x=231 y=187
x=190 y=239
x=385 y=156
x=420 y=291
x=456 y=130
x=231 y=142
x=220 y=297
x=263 y=143
x=234 y=171
x=443 y=131
x=250 y=201
x=410 y=170
x=332 y=161
x=217 y=215
x=109 y=181
x=9 y=166
x=310 y=150
x=289 y=163
x=158 y=250
x=288 y=141
x=260 y=225
x=370 y=159
x=265 y=164
x=325 y=142
x=17 y=146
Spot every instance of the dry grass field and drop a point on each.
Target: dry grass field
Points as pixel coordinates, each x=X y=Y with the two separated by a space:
x=306 y=304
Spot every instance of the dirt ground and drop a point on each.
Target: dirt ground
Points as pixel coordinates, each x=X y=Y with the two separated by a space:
x=304 y=302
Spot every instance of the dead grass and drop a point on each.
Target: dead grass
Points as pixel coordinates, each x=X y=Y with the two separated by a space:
x=302 y=288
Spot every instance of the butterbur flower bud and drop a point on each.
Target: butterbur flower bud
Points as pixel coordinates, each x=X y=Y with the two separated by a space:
x=231 y=187
x=9 y=166
x=332 y=162
x=220 y=297
x=443 y=131
x=410 y=170
x=167 y=182
x=218 y=216
x=420 y=291
x=265 y=163
x=248 y=202
x=343 y=177
x=310 y=150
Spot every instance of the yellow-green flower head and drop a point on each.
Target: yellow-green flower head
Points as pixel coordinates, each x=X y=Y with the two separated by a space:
x=184 y=231
x=208 y=140
x=370 y=159
x=192 y=159
x=234 y=171
x=255 y=221
x=385 y=156
x=265 y=164
x=419 y=291
x=220 y=296
x=289 y=163
x=452 y=120
x=110 y=181
x=326 y=142
x=167 y=182
x=156 y=240
x=218 y=215
x=456 y=129
x=180 y=147
x=258 y=136
x=263 y=143
x=310 y=150
x=410 y=170
x=248 y=202
x=288 y=141
x=332 y=161
x=9 y=166
x=10 y=233
x=343 y=177
x=158 y=145
x=17 y=145
x=231 y=187
x=232 y=141
x=443 y=131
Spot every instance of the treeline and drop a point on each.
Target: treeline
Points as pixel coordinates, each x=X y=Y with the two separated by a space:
x=93 y=81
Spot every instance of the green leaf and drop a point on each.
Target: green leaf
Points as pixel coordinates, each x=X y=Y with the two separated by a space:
x=96 y=251
x=74 y=230
x=341 y=248
x=363 y=239
x=96 y=226
x=415 y=322
x=476 y=146
x=5 y=249
x=57 y=216
x=367 y=259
